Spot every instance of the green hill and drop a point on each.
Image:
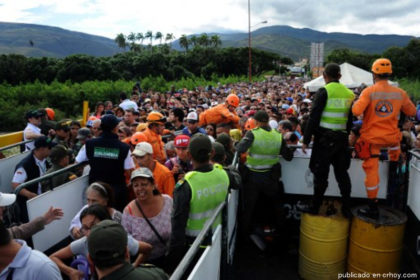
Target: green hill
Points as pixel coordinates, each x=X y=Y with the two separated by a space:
x=39 y=40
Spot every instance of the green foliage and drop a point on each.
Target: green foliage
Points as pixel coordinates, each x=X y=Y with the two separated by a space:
x=67 y=98
x=412 y=87
x=134 y=65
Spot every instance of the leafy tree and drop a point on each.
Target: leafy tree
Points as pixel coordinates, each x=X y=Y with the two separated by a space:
x=140 y=37
x=149 y=35
x=193 y=41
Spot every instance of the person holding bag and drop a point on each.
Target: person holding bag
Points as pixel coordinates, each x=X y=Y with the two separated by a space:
x=148 y=217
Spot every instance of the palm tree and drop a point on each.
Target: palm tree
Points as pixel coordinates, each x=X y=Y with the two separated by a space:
x=193 y=40
x=140 y=37
x=169 y=37
x=149 y=35
x=159 y=36
x=131 y=37
x=215 y=41
x=184 y=42
x=203 y=40
x=120 y=40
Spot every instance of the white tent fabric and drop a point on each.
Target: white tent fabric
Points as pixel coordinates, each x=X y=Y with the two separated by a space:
x=351 y=77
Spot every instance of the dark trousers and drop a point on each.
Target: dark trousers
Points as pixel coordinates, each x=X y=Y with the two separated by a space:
x=256 y=185
x=121 y=197
x=330 y=149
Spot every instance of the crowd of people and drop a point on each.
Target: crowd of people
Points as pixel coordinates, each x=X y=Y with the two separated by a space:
x=158 y=163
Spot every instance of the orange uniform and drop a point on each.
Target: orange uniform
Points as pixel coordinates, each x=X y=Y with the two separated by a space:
x=157 y=144
x=164 y=179
x=218 y=114
x=381 y=105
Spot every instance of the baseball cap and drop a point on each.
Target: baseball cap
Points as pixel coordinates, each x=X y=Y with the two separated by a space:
x=108 y=122
x=142 y=149
x=289 y=99
x=192 y=116
x=285 y=106
x=181 y=141
x=43 y=141
x=63 y=125
x=58 y=152
x=142 y=172
x=83 y=133
x=199 y=145
x=290 y=111
x=107 y=243
x=261 y=116
x=7 y=199
x=307 y=100
x=33 y=114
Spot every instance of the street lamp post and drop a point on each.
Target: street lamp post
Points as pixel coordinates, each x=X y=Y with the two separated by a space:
x=249 y=41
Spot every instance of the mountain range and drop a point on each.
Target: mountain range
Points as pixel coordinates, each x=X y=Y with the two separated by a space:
x=39 y=40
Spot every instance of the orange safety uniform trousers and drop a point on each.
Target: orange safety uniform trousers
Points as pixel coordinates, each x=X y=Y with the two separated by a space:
x=371 y=166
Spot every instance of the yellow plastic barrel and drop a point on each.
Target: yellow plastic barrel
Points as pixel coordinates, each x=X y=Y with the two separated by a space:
x=323 y=246
x=375 y=245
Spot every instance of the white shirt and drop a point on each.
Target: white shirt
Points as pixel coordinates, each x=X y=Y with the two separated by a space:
x=128 y=162
x=30 y=128
x=20 y=175
x=128 y=104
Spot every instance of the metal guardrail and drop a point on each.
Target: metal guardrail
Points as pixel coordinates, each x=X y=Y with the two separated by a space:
x=415 y=153
x=47 y=176
x=189 y=256
x=14 y=145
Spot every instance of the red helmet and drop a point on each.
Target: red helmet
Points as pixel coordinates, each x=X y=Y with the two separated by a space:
x=138 y=137
x=233 y=100
x=50 y=113
x=250 y=124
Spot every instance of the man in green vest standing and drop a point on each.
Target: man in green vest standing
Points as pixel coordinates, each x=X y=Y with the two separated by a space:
x=196 y=197
x=261 y=174
x=330 y=122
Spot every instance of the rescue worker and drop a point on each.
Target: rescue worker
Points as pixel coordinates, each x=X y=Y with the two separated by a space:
x=108 y=159
x=154 y=131
x=261 y=172
x=380 y=105
x=330 y=121
x=196 y=196
x=222 y=113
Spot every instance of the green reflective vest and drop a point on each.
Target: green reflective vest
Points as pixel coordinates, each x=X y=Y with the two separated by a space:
x=208 y=190
x=265 y=150
x=336 y=110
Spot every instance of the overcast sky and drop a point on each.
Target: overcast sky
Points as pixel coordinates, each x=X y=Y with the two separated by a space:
x=110 y=17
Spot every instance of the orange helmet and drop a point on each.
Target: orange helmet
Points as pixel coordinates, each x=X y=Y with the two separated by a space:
x=382 y=66
x=50 y=113
x=156 y=117
x=233 y=100
x=250 y=124
x=138 y=137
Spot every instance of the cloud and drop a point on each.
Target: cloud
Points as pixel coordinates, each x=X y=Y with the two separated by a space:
x=110 y=17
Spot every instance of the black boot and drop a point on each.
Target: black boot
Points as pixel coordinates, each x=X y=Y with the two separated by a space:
x=345 y=208
x=371 y=211
x=310 y=208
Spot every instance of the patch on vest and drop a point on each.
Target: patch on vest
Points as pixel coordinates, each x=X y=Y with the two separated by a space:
x=179 y=183
x=110 y=153
x=383 y=108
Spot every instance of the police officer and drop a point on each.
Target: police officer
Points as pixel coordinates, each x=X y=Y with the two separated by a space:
x=330 y=121
x=108 y=159
x=199 y=193
x=31 y=167
x=262 y=171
